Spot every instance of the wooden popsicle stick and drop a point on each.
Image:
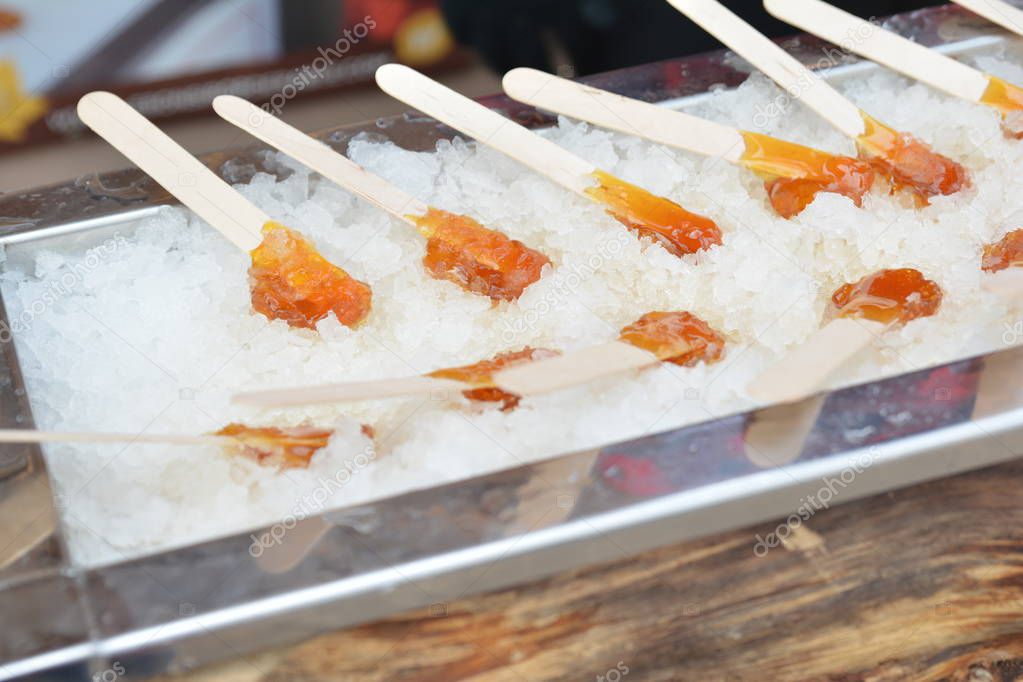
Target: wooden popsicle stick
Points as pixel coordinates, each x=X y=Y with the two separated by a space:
x=997 y=12
x=882 y=46
x=28 y=517
x=1007 y=283
x=177 y=171
x=33 y=436
x=806 y=369
x=626 y=115
x=294 y=546
x=783 y=68
x=777 y=435
x=539 y=376
x=486 y=126
x=573 y=369
x=351 y=392
x=1000 y=385
x=318 y=156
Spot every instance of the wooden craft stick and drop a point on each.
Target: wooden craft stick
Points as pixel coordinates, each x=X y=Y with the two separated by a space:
x=882 y=46
x=997 y=12
x=176 y=170
x=318 y=156
x=33 y=436
x=291 y=549
x=806 y=369
x=777 y=435
x=1007 y=283
x=783 y=68
x=539 y=376
x=626 y=115
x=573 y=369
x=486 y=126
x=351 y=392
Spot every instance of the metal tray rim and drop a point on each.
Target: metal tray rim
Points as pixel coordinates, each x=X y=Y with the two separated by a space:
x=505 y=557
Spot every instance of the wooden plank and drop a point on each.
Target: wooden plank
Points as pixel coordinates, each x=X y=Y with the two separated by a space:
x=920 y=584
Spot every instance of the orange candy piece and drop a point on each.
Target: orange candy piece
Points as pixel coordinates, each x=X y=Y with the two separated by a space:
x=477 y=259
x=1008 y=99
x=796 y=174
x=481 y=374
x=888 y=296
x=849 y=177
x=1006 y=253
x=291 y=281
x=909 y=163
x=290 y=448
x=677 y=337
x=664 y=221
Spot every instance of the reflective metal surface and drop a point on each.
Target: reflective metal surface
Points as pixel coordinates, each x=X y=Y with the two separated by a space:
x=236 y=595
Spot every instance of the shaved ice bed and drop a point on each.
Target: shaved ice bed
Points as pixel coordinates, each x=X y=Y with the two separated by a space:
x=159 y=334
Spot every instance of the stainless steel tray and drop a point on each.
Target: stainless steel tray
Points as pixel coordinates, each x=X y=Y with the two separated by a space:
x=180 y=608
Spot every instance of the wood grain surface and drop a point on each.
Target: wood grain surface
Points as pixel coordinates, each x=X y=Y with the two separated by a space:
x=924 y=583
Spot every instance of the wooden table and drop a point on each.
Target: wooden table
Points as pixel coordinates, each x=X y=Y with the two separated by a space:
x=924 y=583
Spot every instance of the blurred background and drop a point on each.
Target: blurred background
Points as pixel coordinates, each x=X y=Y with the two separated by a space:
x=309 y=61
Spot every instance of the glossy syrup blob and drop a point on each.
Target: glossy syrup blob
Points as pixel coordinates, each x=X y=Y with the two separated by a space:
x=795 y=174
x=288 y=448
x=483 y=261
x=908 y=163
x=1005 y=253
x=291 y=281
x=676 y=229
x=1008 y=99
x=677 y=337
x=888 y=296
x=481 y=375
